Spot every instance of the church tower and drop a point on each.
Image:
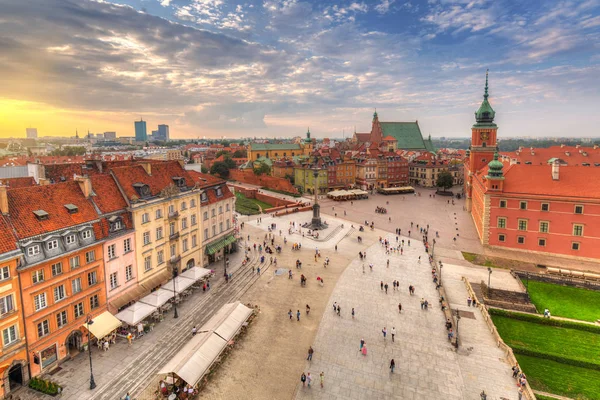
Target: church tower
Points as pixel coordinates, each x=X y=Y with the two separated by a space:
x=483 y=142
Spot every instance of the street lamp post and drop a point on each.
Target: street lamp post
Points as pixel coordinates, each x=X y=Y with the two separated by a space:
x=457 y=321
x=225 y=264
x=441 y=266
x=175 y=314
x=88 y=323
x=489 y=280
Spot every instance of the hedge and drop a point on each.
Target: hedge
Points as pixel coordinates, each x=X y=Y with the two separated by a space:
x=45 y=386
x=281 y=192
x=545 y=321
x=554 y=357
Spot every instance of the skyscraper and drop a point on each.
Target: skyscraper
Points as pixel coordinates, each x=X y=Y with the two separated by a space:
x=163 y=132
x=32 y=133
x=140 y=131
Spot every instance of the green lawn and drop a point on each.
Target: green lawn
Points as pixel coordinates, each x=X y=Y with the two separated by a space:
x=566 y=380
x=568 y=343
x=565 y=301
x=247 y=206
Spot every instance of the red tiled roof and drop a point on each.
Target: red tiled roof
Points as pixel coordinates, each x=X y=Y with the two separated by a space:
x=204 y=180
x=63 y=172
x=363 y=137
x=162 y=177
x=108 y=197
x=52 y=199
x=15 y=183
x=541 y=156
x=8 y=241
x=390 y=138
x=573 y=181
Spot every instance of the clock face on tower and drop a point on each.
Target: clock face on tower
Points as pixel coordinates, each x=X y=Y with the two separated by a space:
x=484 y=135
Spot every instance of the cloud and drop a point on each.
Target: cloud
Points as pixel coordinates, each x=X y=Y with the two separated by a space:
x=359 y=7
x=384 y=6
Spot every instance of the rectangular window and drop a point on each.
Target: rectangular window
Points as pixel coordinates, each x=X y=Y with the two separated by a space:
x=542 y=242
x=56 y=269
x=193 y=219
x=94 y=302
x=113 y=281
x=545 y=206
x=126 y=245
x=501 y=222
x=213 y=212
x=86 y=234
x=33 y=250
x=578 y=209
x=4 y=273
x=6 y=304
x=90 y=256
x=147 y=263
x=194 y=241
x=78 y=309
x=70 y=239
x=172 y=249
x=521 y=239
x=59 y=293
x=92 y=278
x=575 y=246
x=53 y=244
x=37 y=276
x=227 y=207
x=171 y=228
x=205 y=215
x=577 y=230
x=112 y=251
x=145 y=218
x=183 y=206
x=129 y=272
x=192 y=203
x=146 y=238
x=159 y=233
x=160 y=257
x=61 y=319
x=184 y=223
x=9 y=335
x=220 y=209
x=220 y=227
x=158 y=214
x=171 y=209
x=522 y=224
x=228 y=224
x=43 y=328
x=544 y=226
x=523 y=205
x=74 y=262
x=184 y=244
x=205 y=233
x=39 y=301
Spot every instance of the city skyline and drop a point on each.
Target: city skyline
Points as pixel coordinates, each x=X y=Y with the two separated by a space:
x=270 y=68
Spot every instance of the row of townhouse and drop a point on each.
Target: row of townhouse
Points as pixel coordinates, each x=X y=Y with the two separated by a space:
x=74 y=250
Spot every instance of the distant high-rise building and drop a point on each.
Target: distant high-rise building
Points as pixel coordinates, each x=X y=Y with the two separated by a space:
x=141 y=134
x=32 y=133
x=110 y=135
x=154 y=135
x=163 y=132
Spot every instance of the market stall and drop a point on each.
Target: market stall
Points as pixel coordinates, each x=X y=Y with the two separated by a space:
x=103 y=327
x=133 y=316
x=196 y=273
x=158 y=298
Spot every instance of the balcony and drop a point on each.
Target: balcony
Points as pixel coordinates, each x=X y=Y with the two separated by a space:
x=174 y=236
x=174 y=215
x=174 y=260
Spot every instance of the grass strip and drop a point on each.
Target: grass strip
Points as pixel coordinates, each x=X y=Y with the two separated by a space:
x=545 y=321
x=565 y=301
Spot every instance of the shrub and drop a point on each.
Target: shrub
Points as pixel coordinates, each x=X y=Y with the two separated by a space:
x=45 y=386
x=555 y=357
x=545 y=321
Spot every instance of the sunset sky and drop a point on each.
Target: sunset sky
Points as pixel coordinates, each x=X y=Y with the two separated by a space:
x=272 y=68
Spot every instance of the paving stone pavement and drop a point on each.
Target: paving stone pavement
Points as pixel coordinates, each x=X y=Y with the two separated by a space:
x=427 y=366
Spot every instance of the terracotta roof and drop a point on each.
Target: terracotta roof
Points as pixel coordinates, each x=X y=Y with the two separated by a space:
x=569 y=154
x=390 y=138
x=363 y=137
x=574 y=181
x=15 y=183
x=108 y=197
x=162 y=177
x=63 y=172
x=8 y=241
x=204 y=180
x=52 y=199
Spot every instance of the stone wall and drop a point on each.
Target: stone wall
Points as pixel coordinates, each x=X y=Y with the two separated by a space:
x=271 y=182
x=507 y=299
x=276 y=202
x=560 y=280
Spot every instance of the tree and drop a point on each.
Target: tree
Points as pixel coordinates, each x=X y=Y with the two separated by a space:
x=69 y=151
x=229 y=162
x=445 y=180
x=291 y=178
x=221 y=152
x=203 y=169
x=262 y=169
x=220 y=168
x=240 y=154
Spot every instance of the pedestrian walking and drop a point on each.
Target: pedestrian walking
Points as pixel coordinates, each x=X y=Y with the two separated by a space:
x=399 y=308
x=194 y=330
x=352 y=312
x=469 y=301
x=322 y=374
x=419 y=262
x=384 y=331
x=129 y=338
x=334 y=306
x=290 y=314
x=310 y=353
x=303 y=379
x=362 y=344
x=364 y=350
x=208 y=282
x=308 y=379
x=338 y=310
x=307 y=309
x=392 y=365
x=386 y=288
x=371 y=266
x=298 y=315
x=393 y=332
x=381 y=285
x=388 y=263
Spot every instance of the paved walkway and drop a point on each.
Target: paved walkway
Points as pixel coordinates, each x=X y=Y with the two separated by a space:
x=427 y=366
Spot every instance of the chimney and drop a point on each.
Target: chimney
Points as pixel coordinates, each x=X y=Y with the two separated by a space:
x=562 y=145
x=85 y=184
x=555 y=167
x=3 y=199
x=43 y=182
x=147 y=166
x=577 y=146
x=595 y=146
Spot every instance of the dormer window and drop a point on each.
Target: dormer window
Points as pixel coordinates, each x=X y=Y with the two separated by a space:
x=179 y=181
x=71 y=208
x=52 y=244
x=203 y=197
x=142 y=189
x=41 y=215
x=116 y=223
x=70 y=239
x=33 y=250
x=86 y=234
x=219 y=191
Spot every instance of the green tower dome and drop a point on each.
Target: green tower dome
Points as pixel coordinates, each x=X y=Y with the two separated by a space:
x=495 y=168
x=485 y=114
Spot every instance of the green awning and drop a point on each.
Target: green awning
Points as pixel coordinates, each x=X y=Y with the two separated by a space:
x=212 y=248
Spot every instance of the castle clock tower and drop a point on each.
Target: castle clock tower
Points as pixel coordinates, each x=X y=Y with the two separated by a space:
x=483 y=142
